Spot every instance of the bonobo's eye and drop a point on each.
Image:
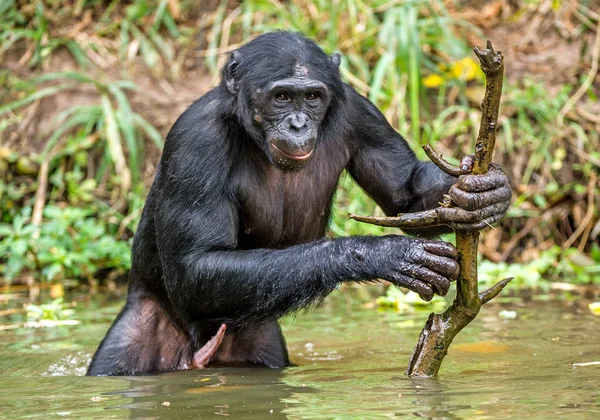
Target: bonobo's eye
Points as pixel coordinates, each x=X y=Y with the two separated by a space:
x=282 y=97
x=312 y=96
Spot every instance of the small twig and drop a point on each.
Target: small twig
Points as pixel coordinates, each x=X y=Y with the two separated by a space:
x=516 y=239
x=588 y=115
x=126 y=220
x=440 y=162
x=40 y=197
x=426 y=218
x=587 y=219
x=493 y=291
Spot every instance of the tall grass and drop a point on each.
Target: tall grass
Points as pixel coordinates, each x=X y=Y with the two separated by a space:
x=385 y=45
x=116 y=130
x=408 y=56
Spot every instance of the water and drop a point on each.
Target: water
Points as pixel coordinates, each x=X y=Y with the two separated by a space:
x=350 y=363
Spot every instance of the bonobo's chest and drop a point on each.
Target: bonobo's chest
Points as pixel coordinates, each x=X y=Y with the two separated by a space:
x=278 y=208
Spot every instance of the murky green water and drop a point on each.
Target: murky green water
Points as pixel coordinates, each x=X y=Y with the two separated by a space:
x=350 y=365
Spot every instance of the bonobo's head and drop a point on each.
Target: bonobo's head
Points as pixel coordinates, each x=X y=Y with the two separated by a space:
x=284 y=85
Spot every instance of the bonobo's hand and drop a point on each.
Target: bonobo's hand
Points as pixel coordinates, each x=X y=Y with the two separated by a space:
x=421 y=265
x=480 y=199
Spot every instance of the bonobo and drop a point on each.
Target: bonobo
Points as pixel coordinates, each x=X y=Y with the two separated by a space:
x=233 y=228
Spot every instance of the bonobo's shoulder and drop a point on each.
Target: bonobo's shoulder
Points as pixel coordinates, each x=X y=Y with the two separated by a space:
x=360 y=107
x=200 y=114
x=199 y=125
x=195 y=142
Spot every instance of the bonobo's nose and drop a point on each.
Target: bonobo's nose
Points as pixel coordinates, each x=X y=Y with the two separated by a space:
x=297 y=121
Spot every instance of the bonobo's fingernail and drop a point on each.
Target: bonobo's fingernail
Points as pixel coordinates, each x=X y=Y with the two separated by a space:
x=426 y=298
x=464 y=168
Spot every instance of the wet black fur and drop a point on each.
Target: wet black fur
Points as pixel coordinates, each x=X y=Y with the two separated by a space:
x=228 y=237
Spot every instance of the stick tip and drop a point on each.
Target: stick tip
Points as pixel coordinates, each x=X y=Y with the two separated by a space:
x=493 y=291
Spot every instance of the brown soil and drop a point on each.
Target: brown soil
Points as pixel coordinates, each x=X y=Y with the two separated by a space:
x=538 y=42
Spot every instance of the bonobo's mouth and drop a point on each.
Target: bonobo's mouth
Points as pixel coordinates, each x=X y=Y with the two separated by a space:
x=302 y=157
x=288 y=161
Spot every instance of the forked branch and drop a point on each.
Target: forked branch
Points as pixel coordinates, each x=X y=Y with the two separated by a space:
x=440 y=329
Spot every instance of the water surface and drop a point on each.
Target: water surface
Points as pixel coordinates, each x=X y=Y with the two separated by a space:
x=350 y=363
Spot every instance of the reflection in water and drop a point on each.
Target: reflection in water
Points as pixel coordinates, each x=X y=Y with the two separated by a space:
x=237 y=392
x=431 y=400
x=349 y=364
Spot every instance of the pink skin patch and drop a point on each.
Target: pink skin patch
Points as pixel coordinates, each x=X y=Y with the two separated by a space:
x=300 y=71
x=202 y=357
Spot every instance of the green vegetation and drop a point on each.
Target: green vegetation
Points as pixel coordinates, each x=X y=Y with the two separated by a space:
x=101 y=126
x=53 y=311
x=80 y=131
x=68 y=245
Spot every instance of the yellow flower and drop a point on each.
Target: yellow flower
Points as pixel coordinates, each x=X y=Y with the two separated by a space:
x=433 y=80
x=465 y=68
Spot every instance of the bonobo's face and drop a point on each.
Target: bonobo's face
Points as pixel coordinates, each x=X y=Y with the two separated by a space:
x=289 y=113
x=283 y=86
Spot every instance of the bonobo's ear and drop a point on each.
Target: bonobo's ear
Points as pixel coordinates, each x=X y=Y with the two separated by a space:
x=229 y=72
x=336 y=59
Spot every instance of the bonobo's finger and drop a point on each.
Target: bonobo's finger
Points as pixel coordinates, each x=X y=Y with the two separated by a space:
x=476 y=226
x=202 y=356
x=474 y=201
x=447 y=267
x=443 y=249
x=495 y=178
x=466 y=164
x=424 y=290
x=459 y=215
x=438 y=283
x=440 y=257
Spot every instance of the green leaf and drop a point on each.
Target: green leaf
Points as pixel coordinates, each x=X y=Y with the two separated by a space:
x=149 y=53
x=78 y=77
x=13 y=266
x=6 y=230
x=82 y=116
x=381 y=68
x=114 y=141
x=52 y=271
x=42 y=93
x=52 y=212
x=126 y=123
x=19 y=247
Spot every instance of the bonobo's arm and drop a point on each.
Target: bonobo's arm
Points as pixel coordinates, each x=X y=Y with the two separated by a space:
x=207 y=278
x=386 y=168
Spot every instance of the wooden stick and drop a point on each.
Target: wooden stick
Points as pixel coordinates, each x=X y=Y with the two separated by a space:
x=440 y=329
